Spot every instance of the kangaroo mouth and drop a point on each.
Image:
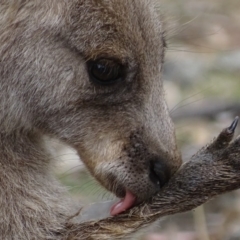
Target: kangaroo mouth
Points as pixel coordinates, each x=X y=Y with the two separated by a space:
x=124 y=204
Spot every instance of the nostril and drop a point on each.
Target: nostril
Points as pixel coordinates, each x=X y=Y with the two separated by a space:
x=159 y=172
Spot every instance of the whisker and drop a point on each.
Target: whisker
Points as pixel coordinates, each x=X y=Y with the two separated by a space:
x=185 y=99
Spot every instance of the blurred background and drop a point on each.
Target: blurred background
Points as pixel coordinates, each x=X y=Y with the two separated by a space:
x=202 y=82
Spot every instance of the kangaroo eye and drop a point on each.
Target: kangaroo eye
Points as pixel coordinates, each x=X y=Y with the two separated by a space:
x=105 y=71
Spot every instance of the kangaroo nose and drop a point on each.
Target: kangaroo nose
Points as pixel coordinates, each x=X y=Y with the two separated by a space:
x=159 y=172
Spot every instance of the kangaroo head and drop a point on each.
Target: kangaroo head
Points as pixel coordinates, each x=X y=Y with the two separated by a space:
x=89 y=73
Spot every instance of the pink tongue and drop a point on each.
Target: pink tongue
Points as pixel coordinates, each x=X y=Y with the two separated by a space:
x=124 y=204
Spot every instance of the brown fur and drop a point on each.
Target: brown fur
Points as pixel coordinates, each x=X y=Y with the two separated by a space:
x=45 y=90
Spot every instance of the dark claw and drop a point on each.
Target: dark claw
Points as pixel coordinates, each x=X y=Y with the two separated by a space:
x=233 y=126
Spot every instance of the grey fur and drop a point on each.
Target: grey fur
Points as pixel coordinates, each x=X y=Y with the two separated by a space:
x=45 y=90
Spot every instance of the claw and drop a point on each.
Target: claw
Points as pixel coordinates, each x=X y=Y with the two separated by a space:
x=225 y=137
x=233 y=126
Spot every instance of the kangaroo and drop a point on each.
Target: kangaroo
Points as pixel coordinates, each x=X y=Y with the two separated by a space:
x=89 y=74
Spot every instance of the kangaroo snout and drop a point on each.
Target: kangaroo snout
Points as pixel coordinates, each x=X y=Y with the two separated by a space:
x=159 y=172
x=133 y=167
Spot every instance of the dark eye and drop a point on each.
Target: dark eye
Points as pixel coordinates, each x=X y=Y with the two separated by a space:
x=105 y=71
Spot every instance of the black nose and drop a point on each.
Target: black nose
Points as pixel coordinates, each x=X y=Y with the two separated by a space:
x=159 y=172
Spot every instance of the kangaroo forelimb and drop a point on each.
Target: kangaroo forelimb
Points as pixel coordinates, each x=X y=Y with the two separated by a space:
x=214 y=170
